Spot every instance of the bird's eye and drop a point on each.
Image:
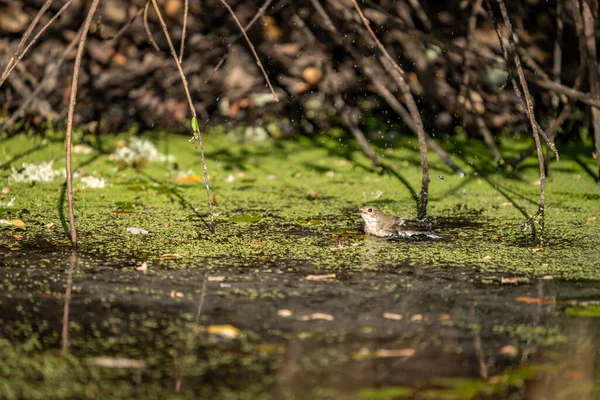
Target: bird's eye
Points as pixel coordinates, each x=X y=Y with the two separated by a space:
x=370 y=210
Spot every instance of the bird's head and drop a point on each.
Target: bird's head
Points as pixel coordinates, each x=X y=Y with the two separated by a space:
x=369 y=213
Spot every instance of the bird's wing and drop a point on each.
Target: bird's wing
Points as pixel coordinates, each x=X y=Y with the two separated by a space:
x=407 y=228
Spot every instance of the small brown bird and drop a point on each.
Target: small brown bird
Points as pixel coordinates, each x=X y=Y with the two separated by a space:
x=380 y=224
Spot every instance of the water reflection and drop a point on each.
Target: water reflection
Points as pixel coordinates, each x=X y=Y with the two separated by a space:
x=412 y=332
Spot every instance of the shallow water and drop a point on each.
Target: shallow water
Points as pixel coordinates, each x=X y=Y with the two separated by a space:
x=288 y=300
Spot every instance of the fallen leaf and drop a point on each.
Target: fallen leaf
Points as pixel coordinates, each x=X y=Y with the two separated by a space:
x=49 y=226
x=506 y=204
x=514 y=279
x=495 y=237
x=285 y=313
x=547 y=277
x=226 y=331
x=17 y=223
x=169 y=256
x=137 y=231
x=143 y=268
x=115 y=362
x=509 y=351
x=535 y=300
x=574 y=373
x=312 y=194
x=320 y=316
x=257 y=245
x=486 y=258
x=396 y=317
x=17 y=236
x=417 y=317
x=330 y=173
x=390 y=353
x=174 y=293
x=82 y=149
x=215 y=278
x=445 y=317
x=319 y=277
x=591 y=218
x=188 y=179
x=538 y=250
x=5 y=190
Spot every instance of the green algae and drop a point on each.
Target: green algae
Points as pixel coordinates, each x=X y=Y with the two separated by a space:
x=286 y=209
x=295 y=196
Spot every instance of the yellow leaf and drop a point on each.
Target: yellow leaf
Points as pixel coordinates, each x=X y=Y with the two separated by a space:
x=169 y=256
x=515 y=279
x=321 y=316
x=509 y=350
x=188 y=179
x=18 y=223
x=389 y=353
x=285 y=313
x=388 y=315
x=319 y=277
x=226 y=331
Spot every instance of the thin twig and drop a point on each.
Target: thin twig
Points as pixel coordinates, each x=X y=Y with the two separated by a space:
x=398 y=76
x=197 y=135
x=52 y=71
x=368 y=69
x=592 y=68
x=186 y=7
x=258 y=14
x=237 y=21
x=147 y=27
x=18 y=52
x=345 y=114
x=71 y=114
x=531 y=114
x=126 y=26
x=557 y=54
x=41 y=105
x=466 y=82
x=449 y=46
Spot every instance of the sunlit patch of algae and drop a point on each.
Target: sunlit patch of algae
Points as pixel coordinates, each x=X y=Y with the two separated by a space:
x=296 y=200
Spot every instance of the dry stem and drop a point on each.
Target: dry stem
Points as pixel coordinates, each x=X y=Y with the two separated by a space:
x=197 y=135
x=258 y=14
x=147 y=28
x=530 y=112
x=237 y=21
x=72 y=101
x=186 y=8
x=398 y=75
x=18 y=52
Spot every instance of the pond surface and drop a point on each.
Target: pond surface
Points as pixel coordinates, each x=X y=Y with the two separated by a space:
x=288 y=299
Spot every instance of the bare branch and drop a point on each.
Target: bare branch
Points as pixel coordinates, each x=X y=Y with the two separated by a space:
x=398 y=75
x=72 y=101
x=237 y=21
x=197 y=135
